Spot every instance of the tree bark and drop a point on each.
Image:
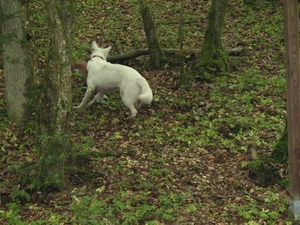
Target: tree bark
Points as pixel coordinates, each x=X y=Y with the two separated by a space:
x=213 y=57
x=157 y=56
x=183 y=76
x=16 y=63
x=53 y=140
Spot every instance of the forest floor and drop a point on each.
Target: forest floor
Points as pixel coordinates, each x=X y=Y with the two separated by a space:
x=183 y=160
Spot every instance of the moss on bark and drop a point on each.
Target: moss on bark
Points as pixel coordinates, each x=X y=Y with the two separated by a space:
x=214 y=58
x=53 y=139
x=17 y=69
x=157 y=56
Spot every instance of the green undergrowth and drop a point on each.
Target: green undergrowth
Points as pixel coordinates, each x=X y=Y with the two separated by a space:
x=129 y=208
x=184 y=158
x=233 y=114
x=238 y=111
x=267 y=169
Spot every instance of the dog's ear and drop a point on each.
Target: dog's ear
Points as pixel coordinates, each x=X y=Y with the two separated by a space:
x=94 y=45
x=106 y=50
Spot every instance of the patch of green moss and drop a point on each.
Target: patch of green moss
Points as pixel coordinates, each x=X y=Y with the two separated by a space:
x=265 y=171
x=280 y=152
x=214 y=58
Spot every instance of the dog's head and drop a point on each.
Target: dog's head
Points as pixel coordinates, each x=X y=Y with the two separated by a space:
x=99 y=52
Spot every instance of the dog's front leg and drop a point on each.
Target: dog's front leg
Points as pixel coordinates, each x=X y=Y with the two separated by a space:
x=86 y=98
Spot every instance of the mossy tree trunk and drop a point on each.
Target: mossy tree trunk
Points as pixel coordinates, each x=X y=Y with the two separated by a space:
x=157 y=56
x=16 y=63
x=184 y=81
x=53 y=139
x=214 y=58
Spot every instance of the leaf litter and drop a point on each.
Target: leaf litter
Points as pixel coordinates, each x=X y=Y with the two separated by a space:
x=181 y=161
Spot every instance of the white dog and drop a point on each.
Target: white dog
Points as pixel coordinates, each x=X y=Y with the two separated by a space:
x=104 y=77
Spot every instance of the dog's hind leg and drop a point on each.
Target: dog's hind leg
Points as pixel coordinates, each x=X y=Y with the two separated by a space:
x=132 y=109
x=96 y=98
x=129 y=95
x=140 y=105
x=129 y=103
x=86 y=98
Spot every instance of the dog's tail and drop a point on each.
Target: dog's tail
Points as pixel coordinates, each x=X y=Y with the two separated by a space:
x=146 y=95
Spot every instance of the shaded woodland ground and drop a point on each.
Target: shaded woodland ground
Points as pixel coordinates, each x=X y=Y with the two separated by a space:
x=184 y=159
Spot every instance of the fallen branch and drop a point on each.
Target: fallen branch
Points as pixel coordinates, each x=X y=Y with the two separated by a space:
x=170 y=51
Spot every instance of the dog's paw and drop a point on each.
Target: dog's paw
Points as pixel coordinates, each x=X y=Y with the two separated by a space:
x=133 y=114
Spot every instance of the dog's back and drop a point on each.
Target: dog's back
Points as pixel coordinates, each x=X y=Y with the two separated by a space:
x=105 y=73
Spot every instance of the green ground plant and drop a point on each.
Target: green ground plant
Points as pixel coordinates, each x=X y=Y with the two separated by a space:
x=251 y=211
x=183 y=159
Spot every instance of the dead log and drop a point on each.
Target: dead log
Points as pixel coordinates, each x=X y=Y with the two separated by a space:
x=169 y=51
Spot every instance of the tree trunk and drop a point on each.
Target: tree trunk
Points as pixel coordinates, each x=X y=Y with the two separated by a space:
x=157 y=56
x=16 y=63
x=214 y=58
x=53 y=140
x=183 y=76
